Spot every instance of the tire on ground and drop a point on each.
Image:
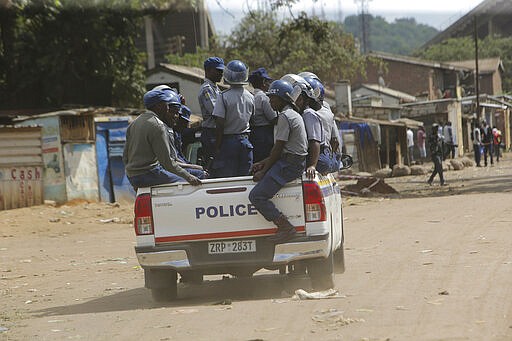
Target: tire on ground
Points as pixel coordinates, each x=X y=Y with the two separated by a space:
x=321 y=272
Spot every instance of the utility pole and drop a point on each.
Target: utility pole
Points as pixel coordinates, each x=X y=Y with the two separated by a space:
x=477 y=73
x=365 y=24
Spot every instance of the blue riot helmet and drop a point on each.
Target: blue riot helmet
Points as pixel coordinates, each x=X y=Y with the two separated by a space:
x=305 y=74
x=282 y=89
x=236 y=73
x=300 y=85
x=318 y=88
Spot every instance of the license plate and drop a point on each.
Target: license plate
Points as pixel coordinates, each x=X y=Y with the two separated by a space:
x=231 y=246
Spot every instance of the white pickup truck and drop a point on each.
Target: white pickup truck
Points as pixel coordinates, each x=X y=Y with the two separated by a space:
x=214 y=229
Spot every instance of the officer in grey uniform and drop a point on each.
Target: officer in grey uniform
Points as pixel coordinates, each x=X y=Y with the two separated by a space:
x=213 y=69
x=286 y=162
x=233 y=110
x=265 y=118
x=328 y=161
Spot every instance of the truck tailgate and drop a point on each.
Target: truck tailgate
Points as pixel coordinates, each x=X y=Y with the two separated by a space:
x=218 y=209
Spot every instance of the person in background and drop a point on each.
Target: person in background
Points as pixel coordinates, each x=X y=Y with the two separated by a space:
x=421 y=137
x=233 y=111
x=436 y=152
x=410 y=145
x=477 y=143
x=147 y=153
x=264 y=118
x=496 y=133
x=286 y=161
x=449 y=141
x=487 y=141
x=207 y=97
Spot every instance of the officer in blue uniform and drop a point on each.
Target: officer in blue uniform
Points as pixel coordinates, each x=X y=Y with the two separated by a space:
x=265 y=118
x=286 y=162
x=207 y=97
x=233 y=110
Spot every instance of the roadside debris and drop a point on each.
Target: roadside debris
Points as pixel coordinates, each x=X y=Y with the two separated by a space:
x=301 y=294
x=366 y=185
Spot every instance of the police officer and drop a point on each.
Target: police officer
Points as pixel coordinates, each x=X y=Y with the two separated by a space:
x=147 y=151
x=174 y=131
x=286 y=162
x=265 y=118
x=334 y=136
x=328 y=160
x=307 y=103
x=233 y=111
x=213 y=69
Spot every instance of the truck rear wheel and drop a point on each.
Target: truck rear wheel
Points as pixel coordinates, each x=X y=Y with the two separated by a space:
x=163 y=284
x=321 y=272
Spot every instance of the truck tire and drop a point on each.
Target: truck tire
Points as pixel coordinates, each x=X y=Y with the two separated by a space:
x=163 y=284
x=321 y=272
x=339 y=260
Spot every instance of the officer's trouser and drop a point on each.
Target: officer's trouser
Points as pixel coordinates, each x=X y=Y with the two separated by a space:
x=234 y=157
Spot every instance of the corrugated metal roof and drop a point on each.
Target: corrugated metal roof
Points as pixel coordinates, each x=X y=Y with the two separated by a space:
x=416 y=61
x=20 y=146
x=390 y=92
x=487 y=65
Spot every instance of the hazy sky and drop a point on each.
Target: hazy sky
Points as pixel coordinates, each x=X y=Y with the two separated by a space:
x=437 y=13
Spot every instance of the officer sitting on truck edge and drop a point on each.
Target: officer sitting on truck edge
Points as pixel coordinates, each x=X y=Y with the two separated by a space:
x=146 y=154
x=233 y=110
x=286 y=162
x=264 y=118
x=207 y=97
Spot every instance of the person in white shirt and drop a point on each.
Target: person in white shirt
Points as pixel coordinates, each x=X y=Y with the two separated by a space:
x=410 y=145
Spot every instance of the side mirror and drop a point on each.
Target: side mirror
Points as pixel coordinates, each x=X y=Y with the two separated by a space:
x=346 y=161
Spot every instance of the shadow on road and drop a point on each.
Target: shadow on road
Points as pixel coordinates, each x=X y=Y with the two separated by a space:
x=210 y=292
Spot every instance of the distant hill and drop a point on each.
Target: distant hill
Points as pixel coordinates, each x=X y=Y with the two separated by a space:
x=402 y=36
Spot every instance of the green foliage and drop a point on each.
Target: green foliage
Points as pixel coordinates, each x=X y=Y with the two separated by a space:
x=402 y=36
x=295 y=45
x=55 y=52
x=458 y=49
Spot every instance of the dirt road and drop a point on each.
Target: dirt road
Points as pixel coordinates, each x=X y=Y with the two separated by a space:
x=434 y=263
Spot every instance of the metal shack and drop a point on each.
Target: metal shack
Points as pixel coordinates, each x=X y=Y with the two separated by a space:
x=21 y=167
x=110 y=139
x=69 y=156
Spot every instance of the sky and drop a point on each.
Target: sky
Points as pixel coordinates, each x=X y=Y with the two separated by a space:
x=436 y=13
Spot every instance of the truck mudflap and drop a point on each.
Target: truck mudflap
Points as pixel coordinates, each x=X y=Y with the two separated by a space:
x=197 y=255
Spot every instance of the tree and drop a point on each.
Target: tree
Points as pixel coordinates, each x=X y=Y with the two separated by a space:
x=458 y=49
x=56 y=52
x=295 y=45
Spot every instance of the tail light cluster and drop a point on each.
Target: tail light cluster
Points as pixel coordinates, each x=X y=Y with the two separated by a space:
x=143 y=215
x=314 y=203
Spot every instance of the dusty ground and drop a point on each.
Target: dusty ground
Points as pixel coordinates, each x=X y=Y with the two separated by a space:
x=433 y=263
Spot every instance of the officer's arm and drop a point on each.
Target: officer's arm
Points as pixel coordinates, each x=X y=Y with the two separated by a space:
x=313 y=154
x=209 y=98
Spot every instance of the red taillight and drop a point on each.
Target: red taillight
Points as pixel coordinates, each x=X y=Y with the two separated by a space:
x=143 y=222
x=314 y=204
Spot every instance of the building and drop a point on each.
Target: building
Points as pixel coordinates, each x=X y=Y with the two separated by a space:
x=425 y=80
x=490 y=71
x=493 y=19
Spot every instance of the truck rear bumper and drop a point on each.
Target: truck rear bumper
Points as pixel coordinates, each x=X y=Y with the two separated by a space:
x=281 y=254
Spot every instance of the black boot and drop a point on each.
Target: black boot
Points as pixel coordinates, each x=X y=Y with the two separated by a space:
x=285 y=230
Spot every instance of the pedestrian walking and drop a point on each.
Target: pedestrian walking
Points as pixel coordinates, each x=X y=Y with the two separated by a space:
x=410 y=145
x=421 y=137
x=487 y=142
x=477 y=143
x=436 y=152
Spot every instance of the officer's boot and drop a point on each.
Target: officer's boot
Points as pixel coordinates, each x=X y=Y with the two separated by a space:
x=285 y=230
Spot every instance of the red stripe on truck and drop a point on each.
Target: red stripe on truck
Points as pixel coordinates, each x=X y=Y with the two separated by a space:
x=222 y=235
